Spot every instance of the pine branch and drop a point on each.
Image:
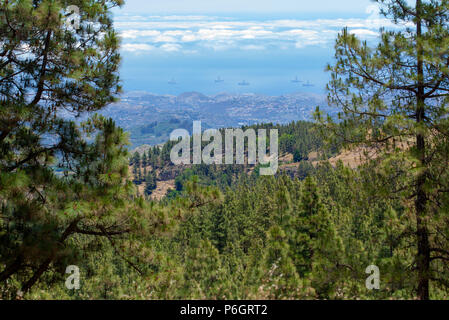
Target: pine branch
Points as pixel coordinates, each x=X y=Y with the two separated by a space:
x=405 y=9
x=101 y=233
x=40 y=85
x=118 y=252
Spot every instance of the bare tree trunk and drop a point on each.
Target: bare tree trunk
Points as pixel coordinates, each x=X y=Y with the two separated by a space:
x=423 y=257
x=32 y=281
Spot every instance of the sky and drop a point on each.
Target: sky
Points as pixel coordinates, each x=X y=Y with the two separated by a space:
x=246 y=6
x=176 y=46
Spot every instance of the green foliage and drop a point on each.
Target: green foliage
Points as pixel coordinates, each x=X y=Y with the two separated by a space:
x=63 y=185
x=66 y=197
x=150 y=183
x=393 y=99
x=298 y=138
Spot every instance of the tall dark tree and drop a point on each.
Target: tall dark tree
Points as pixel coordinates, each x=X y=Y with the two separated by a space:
x=150 y=182
x=394 y=100
x=144 y=160
x=49 y=69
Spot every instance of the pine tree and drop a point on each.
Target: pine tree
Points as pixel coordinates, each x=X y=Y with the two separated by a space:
x=47 y=68
x=203 y=271
x=139 y=175
x=150 y=183
x=394 y=98
x=135 y=160
x=144 y=160
x=282 y=278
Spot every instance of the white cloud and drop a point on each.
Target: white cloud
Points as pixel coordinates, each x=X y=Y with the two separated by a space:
x=164 y=38
x=253 y=47
x=137 y=47
x=363 y=32
x=191 y=33
x=171 y=47
x=189 y=36
x=133 y=34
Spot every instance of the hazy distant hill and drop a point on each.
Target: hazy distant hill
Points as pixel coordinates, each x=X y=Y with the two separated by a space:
x=150 y=118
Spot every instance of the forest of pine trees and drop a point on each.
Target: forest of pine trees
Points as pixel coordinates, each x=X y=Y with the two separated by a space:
x=68 y=189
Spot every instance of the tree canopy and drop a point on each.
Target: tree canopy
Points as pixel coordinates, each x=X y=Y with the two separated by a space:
x=394 y=100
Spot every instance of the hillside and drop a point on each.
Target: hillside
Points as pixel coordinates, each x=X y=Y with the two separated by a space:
x=300 y=151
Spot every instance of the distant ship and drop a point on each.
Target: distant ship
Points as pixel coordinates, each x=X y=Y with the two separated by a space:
x=308 y=84
x=243 y=83
x=219 y=80
x=296 y=80
x=172 y=81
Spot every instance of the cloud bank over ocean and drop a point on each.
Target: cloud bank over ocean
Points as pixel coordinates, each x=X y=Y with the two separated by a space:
x=175 y=53
x=192 y=34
